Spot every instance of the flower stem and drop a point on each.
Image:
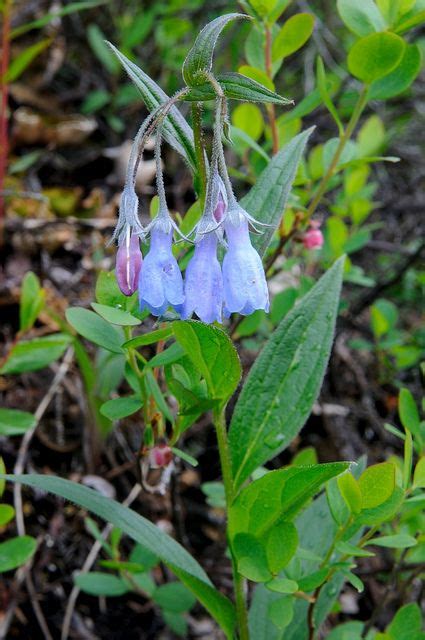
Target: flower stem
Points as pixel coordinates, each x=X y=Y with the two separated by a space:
x=226 y=468
x=199 y=150
x=270 y=107
x=358 y=109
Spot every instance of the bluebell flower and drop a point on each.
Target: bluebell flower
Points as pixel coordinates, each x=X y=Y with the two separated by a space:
x=129 y=264
x=203 y=284
x=160 y=282
x=244 y=280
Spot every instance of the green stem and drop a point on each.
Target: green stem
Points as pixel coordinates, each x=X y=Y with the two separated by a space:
x=226 y=468
x=132 y=361
x=199 y=150
x=358 y=109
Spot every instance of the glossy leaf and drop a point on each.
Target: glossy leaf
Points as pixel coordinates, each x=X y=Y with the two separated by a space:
x=94 y=328
x=400 y=78
x=374 y=56
x=350 y=491
x=377 y=484
x=16 y=552
x=237 y=87
x=213 y=354
x=15 y=423
x=285 y=379
x=199 y=59
x=293 y=35
x=31 y=355
x=115 y=316
x=147 y=535
x=177 y=132
x=362 y=18
x=32 y=301
x=267 y=199
x=280 y=545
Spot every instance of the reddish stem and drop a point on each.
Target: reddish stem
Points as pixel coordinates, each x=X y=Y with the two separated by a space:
x=4 y=140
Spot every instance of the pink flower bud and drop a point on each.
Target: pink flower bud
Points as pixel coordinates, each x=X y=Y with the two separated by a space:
x=313 y=239
x=129 y=263
x=221 y=206
x=160 y=456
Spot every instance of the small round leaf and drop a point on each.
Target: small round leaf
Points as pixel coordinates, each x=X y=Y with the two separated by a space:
x=375 y=56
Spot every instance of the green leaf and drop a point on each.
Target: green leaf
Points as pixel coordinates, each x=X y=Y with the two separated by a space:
x=14 y=422
x=351 y=550
x=350 y=491
x=97 y=583
x=97 y=40
x=362 y=17
x=7 y=513
x=16 y=552
x=116 y=316
x=263 y=7
x=120 y=407
x=377 y=484
x=32 y=301
x=408 y=412
x=172 y=354
x=108 y=293
x=31 y=355
x=72 y=7
x=176 y=130
x=293 y=35
x=146 y=534
x=337 y=505
x=400 y=78
x=283 y=585
x=410 y=21
x=251 y=557
x=290 y=368
x=150 y=338
x=280 y=545
x=174 y=597
x=199 y=59
x=281 y=612
x=278 y=496
x=213 y=354
x=397 y=541
x=325 y=95
x=237 y=87
x=313 y=580
x=406 y=623
x=24 y=59
x=93 y=328
x=419 y=474
x=374 y=56
x=142 y=556
x=257 y=75
x=267 y=199
x=383 y=512
x=249 y=119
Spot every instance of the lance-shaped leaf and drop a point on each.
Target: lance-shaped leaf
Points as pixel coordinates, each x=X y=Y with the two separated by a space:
x=147 y=535
x=237 y=87
x=199 y=59
x=177 y=131
x=285 y=379
x=267 y=199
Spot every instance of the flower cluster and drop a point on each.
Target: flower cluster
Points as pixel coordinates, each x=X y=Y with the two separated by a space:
x=210 y=289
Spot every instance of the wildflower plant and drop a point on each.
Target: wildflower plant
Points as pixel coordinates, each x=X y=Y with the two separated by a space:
x=295 y=549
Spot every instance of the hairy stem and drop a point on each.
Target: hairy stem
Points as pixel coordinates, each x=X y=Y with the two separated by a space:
x=199 y=150
x=226 y=468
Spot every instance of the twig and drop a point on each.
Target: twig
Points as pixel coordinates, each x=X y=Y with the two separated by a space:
x=90 y=560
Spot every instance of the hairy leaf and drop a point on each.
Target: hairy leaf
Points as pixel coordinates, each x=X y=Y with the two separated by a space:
x=237 y=87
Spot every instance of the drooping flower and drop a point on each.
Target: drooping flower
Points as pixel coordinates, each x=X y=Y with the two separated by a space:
x=244 y=280
x=313 y=237
x=129 y=264
x=160 y=456
x=160 y=282
x=203 y=284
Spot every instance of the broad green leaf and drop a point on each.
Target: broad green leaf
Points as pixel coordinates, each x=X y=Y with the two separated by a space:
x=213 y=354
x=383 y=317
x=374 y=56
x=408 y=412
x=283 y=585
x=397 y=541
x=281 y=612
x=351 y=550
x=176 y=130
x=115 y=316
x=248 y=117
x=263 y=7
x=362 y=18
x=313 y=580
x=406 y=624
x=400 y=78
x=174 y=597
x=250 y=556
x=267 y=199
x=377 y=484
x=238 y=87
x=31 y=355
x=150 y=338
x=289 y=369
x=257 y=75
x=350 y=491
x=7 y=513
x=147 y=535
x=280 y=545
x=172 y=354
x=94 y=328
x=261 y=626
x=16 y=552
x=411 y=21
x=383 y=512
x=32 y=301
x=97 y=583
x=108 y=293
x=24 y=59
x=199 y=59
x=293 y=35
x=120 y=407
x=72 y=7
x=14 y=422
x=278 y=496
x=419 y=474
x=347 y=631
x=337 y=505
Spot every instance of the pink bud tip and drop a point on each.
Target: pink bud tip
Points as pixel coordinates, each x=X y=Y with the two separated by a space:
x=160 y=456
x=313 y=239
x=129 y=263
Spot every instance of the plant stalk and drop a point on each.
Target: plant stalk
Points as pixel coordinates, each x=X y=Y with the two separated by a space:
x=199 y=150
x=270 y=107
x=226 y=468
